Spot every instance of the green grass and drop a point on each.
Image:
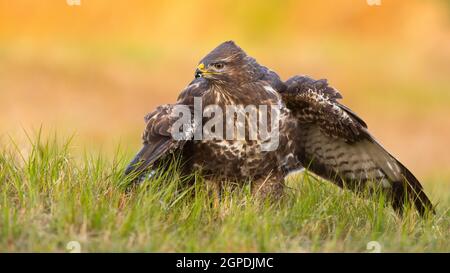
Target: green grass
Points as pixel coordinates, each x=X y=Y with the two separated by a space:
x=49 y=197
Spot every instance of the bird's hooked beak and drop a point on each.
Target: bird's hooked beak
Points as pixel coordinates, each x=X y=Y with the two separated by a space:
x=200 y=70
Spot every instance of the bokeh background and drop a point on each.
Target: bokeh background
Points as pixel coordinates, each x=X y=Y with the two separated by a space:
x=96 y=69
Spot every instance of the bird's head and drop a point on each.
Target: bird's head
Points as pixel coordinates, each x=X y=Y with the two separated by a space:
x=227 y=63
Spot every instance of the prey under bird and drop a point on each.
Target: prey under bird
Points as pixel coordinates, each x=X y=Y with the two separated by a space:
x=316 y=132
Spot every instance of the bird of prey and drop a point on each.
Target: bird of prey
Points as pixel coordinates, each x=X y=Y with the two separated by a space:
x=316 y=132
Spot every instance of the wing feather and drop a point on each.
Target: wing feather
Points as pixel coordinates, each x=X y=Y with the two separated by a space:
x=334 y=143
x=157 y=138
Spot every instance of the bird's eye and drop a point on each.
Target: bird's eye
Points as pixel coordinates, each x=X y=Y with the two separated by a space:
x=218 y=65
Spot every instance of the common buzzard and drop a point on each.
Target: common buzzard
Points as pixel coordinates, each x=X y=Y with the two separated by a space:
x=316 y=132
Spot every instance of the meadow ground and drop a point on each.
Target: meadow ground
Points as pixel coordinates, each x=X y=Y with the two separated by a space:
x=49 y=198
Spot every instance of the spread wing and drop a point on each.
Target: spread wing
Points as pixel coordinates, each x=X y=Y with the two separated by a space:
x=334 y=143
x=158 y=140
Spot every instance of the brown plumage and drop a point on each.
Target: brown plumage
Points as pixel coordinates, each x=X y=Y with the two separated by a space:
x=316 y=132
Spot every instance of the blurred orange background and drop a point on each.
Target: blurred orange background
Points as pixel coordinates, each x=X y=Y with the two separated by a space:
x=96 y=69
